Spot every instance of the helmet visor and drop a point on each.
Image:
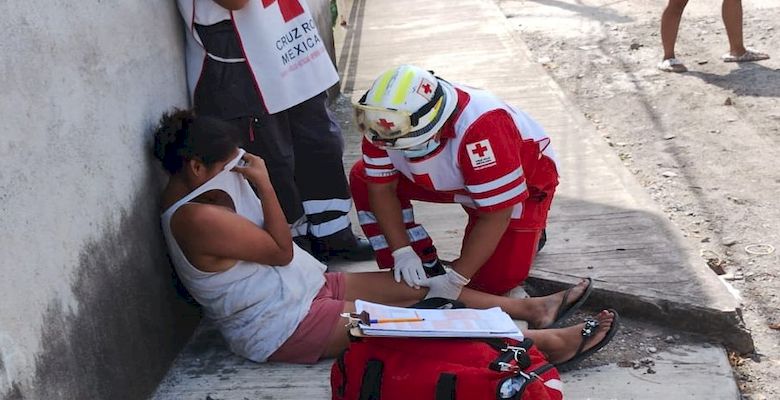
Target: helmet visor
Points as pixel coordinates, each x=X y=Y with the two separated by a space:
x=381 y=122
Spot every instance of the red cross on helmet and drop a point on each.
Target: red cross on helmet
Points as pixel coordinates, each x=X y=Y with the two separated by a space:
x=405 y=107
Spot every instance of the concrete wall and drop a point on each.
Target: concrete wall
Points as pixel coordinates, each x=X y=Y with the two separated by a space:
x=87 y=308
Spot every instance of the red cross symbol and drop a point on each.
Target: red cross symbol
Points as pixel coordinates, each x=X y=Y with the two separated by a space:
x=426 y=88
x=386 y=124
x=479 y=150
x=289 y=8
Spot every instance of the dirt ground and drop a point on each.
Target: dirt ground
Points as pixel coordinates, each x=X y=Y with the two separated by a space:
x=704 y=144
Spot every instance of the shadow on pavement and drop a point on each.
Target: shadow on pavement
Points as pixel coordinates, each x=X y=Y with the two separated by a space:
x=750 y=79
x=602 y=14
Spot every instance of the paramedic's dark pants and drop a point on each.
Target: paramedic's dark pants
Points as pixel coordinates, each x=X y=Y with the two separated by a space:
x=302 y=147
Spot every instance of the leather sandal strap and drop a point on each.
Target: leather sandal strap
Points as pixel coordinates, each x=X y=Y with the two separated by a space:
x=562 y=306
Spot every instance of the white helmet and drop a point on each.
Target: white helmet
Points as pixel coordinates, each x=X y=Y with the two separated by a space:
x=405 y=107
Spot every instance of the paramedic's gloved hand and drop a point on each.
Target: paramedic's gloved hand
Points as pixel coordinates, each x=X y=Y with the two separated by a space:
x=409 y=266
x=447 y=286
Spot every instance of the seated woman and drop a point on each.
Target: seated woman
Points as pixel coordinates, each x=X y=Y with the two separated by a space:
x=232 y=249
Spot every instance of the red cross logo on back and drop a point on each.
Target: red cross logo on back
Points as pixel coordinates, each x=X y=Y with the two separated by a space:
x=479 y=150
x=386 y=124
x=426 y=88
x=289 y=8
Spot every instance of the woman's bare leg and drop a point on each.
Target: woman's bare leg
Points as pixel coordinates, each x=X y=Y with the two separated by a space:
x=670 y=24
x=339 y=340
x=731 y=11
x=380 y=287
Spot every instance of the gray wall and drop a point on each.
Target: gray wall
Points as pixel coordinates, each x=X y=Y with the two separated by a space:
x=87 y=309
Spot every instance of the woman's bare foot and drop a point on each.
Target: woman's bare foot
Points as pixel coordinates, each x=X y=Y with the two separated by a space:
x=548 y=308
x=560 y=345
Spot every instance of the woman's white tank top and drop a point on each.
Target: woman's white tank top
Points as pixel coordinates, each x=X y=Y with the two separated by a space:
x=256 y=307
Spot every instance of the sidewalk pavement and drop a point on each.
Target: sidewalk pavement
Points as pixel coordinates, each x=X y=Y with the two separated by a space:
x=602 y=224
x=207 y=370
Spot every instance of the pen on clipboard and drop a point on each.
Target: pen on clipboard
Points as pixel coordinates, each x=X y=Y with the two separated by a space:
x=383 y=320
x=365 y=319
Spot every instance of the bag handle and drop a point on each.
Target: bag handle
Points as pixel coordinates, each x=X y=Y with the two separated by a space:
x=371 y=386
x=445 y=386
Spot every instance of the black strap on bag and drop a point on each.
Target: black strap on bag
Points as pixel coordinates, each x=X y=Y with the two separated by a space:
x=371 y=386
x=343 y=368
x=445 y=386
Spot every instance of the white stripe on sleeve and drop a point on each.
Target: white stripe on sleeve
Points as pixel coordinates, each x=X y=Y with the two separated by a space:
x=380 y=173
x=378 y=161
x=500 y=198
x=497 y=183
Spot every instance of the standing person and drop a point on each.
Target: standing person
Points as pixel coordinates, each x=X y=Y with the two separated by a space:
x=430 y=140
x=261 y=65
x=731 y=10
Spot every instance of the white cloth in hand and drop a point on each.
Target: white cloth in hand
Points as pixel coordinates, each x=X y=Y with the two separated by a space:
x=448 y=285
x=409 y=266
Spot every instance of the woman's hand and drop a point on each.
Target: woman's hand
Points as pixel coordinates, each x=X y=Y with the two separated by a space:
x=254 y=170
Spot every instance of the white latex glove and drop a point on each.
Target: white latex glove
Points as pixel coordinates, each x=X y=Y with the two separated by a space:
x=447 y=286
x=409 y=266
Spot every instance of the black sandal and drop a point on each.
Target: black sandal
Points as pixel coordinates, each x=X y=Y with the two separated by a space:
x=587 y=332
x=565 y=311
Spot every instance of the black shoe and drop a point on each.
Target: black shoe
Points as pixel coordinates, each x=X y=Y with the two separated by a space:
x=345 y=246
x=360 y=250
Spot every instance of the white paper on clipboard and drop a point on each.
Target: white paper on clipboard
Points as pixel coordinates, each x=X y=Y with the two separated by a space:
x=463 y=322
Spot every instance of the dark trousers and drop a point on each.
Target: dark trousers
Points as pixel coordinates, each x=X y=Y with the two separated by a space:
x=303 y=147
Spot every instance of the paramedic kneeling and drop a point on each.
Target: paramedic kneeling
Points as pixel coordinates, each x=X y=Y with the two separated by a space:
x=430 y=140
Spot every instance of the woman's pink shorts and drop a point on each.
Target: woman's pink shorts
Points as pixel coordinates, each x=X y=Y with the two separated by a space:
x=309 y=341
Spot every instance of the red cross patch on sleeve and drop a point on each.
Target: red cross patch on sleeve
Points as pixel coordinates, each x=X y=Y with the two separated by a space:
x=481 y=154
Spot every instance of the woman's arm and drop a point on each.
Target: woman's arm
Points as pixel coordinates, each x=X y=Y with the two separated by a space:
x=275 y=223
x=213 y=237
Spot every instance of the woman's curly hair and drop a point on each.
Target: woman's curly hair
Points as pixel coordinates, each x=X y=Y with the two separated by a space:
x=182 y=136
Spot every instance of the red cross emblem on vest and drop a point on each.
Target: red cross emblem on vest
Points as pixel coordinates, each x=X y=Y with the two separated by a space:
x=479 y=150
x=289 y=8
